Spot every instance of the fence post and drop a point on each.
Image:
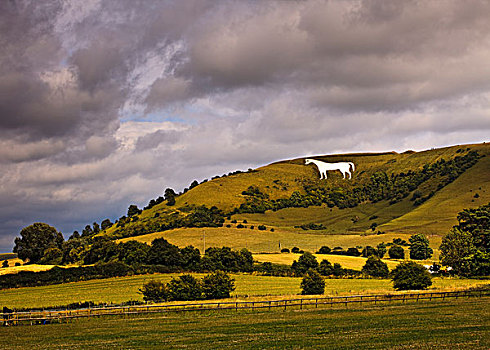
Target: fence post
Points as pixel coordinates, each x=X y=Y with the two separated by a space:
x=316 y=303
x=269 y=305
x=285 y=301
x=236 y=306
x=301 y=304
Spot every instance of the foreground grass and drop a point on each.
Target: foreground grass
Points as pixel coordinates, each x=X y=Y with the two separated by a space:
x=121 y=289
x=453 y=324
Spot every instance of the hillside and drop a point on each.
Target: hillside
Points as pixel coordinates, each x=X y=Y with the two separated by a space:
x=400 y=193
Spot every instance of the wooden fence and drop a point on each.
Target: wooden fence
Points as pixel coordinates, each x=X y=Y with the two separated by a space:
x=50 y=316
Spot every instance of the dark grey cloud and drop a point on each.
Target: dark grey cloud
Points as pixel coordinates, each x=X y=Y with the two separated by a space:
x=106 y=103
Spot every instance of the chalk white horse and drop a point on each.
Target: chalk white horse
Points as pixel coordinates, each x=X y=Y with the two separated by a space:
x=323 y=167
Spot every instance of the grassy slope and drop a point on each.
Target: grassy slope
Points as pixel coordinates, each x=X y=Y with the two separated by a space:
x=453 y=324
x=434 y=218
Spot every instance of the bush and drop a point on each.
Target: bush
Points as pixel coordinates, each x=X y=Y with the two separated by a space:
x=154 y=291
x=324 y=250
x=410 y=275
x=368 y=251
x=5 y=263
x=217 y=285
x=185 y=287
x=375 y=267
x=312 y=283
x=396 y=252
x=295 y=250
x=285 y=250
x=261 y=227
x=353 y=252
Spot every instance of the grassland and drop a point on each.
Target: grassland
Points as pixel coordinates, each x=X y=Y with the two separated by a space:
x=121 y=289
x=454 y=324
x=14 y=269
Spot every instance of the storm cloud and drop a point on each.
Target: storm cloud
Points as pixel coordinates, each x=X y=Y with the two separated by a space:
x=107 y=103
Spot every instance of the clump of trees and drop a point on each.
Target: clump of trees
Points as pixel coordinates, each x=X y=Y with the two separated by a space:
x=312 y=283
x=375 y=267
x=466 y=248
x=216 y=285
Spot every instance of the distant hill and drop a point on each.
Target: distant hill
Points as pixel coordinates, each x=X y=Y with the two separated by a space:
x=391 y=193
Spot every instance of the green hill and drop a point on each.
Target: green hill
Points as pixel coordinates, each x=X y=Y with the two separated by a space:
x=390 y=194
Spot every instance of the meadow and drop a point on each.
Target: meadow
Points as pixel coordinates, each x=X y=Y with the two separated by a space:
x=452 y=324
x=122 y=289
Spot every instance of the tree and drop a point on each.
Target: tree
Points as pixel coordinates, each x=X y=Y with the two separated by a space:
x=103 y=249
x=5 y=263
x=305 y=262
x=312 y=283
x=217 y=285
x=96 y=228
x=185 y=287
x=105 y=224
x=368 y=251
x=52 y=256
x=133 y=210
x=170 y=196
x=87 y=231
x=419 y=247
x=324 y=250
x=133 y=252
x=154 y=291
x=381 y=250
x=396 y=252
x=466 y=248
x=410 y=275
x=35 y=239
x=163 y=253
x=353 y=252
x=74 y=250
x=375 y=267
x=325 y=268
x=191 y=258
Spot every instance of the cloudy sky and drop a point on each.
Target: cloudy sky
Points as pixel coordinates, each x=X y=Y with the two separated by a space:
x=106 y=103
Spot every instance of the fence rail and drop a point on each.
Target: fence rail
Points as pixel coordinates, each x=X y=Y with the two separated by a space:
x=50 y=316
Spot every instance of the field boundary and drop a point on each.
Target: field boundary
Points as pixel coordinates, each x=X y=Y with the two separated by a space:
x=59 y=316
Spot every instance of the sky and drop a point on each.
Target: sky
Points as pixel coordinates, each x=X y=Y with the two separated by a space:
x=105 y=103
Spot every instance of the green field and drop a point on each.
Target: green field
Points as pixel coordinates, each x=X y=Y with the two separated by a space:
x=121 y=289
x=452 y=324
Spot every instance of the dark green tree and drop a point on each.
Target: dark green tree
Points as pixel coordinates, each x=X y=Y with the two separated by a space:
x=381 y=250
x=368 y=251
x=155 y=291
x=325 y=268
x=5 y=263
x=133 y=252
x=312 y=283
x=52 y=256
x=163 y=253
x=35 y=239
x=133 y=210
x=217 y=285
x=410 y=275
x=170 y=196
x=419 y=247
x=74 y=250
x=324 y=250
x=87 y=231
x=185 y=287
x=466 y=249
x=105 y=224
x=305 y=262
x=375 y=267
x=191 y=258
x=396 y=252
x=102 y=249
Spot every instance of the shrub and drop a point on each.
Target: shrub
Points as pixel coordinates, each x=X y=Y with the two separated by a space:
x=368 y=251
x=312 y=283
x=396 y=252
x=240 y=226
x=5 y=263
x=185 y=287
x=324 y=250
x=381 y=250
x=285 y=250
x=295 y=250
x=353 y=252
x=375 y=267
x=18 y=264
x=262 y=227
x=410 y=275
x=217 y=285
x=154 y=291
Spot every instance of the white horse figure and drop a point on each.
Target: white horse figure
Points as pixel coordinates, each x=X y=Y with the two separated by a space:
x=344 y=167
